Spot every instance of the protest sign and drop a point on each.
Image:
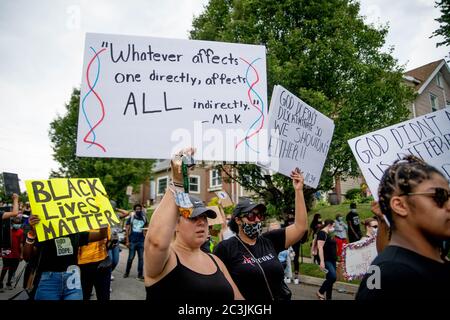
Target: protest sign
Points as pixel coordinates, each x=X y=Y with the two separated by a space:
x=299 y=136
x=427 y=137
x=67 y=206
x=144 y=97
x=11 y=183
x=224 y=199
x=357 y=257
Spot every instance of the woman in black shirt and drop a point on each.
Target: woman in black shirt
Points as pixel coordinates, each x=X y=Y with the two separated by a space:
x=179 y=270
x=252 y=258
x=326 y=246
x=414 y=198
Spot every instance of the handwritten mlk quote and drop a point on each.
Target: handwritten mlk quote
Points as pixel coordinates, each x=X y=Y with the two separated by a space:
x=141 y=97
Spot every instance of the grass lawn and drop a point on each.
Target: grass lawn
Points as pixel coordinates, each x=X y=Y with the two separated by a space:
x=330 y=212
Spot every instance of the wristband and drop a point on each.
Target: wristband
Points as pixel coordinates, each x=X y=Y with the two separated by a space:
x=29 y=241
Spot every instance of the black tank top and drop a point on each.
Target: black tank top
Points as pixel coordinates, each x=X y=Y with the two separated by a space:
x=183 y=284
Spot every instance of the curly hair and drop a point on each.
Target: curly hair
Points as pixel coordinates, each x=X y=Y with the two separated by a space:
x=401 y=178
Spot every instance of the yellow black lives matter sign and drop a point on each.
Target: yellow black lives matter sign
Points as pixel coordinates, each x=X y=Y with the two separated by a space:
x=67 y=206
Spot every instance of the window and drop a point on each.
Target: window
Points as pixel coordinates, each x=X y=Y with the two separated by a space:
x=439 y=79
x=194 y=184
x=215 y=179
x=162 y=185
x=434 y=102
x=448 y=103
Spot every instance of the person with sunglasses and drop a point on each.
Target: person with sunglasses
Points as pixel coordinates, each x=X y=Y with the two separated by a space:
x=414 y=198
x=251 y=257
x=371 y=225
x=175 y=267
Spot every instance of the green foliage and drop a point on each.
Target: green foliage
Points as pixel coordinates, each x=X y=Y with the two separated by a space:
x=115 y=174
x=352 y=193
x=323 y=52
x=444 y=22
x=213 y=202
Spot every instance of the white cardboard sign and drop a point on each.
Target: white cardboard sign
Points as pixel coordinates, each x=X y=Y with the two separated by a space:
x=358 y=256
x=299 y=136
x=144 y=97
x=427 y=137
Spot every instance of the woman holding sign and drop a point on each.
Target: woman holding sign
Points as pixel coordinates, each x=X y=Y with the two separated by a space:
x=251 y=256
x=414 y=197
x=57 y=262
x=179 y=270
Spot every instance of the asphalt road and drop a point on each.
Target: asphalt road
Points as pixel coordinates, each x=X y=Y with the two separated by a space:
x=132 y=289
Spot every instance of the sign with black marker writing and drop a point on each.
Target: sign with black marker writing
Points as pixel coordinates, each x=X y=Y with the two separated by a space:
x=299 y=136
x=67 y=206
x=426 y=137
x=144 y=97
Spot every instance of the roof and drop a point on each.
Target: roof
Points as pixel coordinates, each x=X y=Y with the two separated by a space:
x=424 y=73
x=161 y=165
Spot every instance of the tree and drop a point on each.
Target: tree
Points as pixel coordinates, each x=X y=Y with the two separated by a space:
x=444 y=20
x=323 y=52
x=115 y=174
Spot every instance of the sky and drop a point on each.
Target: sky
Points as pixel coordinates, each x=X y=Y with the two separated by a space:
x=41 y=53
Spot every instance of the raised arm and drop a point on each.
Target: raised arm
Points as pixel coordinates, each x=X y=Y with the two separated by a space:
x=296 y=230
x=162 y=227
x=122 y=213
x=29 y=250
x=15 y=208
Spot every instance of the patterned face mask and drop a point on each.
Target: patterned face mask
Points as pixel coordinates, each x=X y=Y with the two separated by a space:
x=252 y=230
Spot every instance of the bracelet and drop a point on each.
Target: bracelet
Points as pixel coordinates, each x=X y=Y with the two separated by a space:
x=29 y=241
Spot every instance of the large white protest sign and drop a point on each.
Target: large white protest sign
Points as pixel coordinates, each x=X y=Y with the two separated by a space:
x=427 y=137
x=357 y=257
x=299 y=136
x=144 y=97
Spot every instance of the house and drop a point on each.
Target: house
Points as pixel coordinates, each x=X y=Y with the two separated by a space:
x=432 y=85
x=204 y=182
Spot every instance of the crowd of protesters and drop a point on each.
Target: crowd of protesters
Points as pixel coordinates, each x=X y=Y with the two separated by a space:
x=182 y=257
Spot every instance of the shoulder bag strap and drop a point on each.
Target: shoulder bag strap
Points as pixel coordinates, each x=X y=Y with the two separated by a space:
x=264 y=274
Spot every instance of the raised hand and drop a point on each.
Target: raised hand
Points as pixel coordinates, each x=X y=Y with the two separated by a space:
x=177 y=175
x=33 y=220
x=297 y=179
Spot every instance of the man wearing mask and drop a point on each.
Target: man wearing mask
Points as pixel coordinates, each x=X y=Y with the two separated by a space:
x=353 y=222
x=135 y=239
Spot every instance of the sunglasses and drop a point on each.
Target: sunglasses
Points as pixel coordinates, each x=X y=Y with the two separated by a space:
x=251 y=216
x=440 y=195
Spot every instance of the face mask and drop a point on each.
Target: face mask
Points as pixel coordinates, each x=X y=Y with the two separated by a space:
x=353 y=210
x=340 y=219
x=16 y=226
x=252 y=230
x=331 y=229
